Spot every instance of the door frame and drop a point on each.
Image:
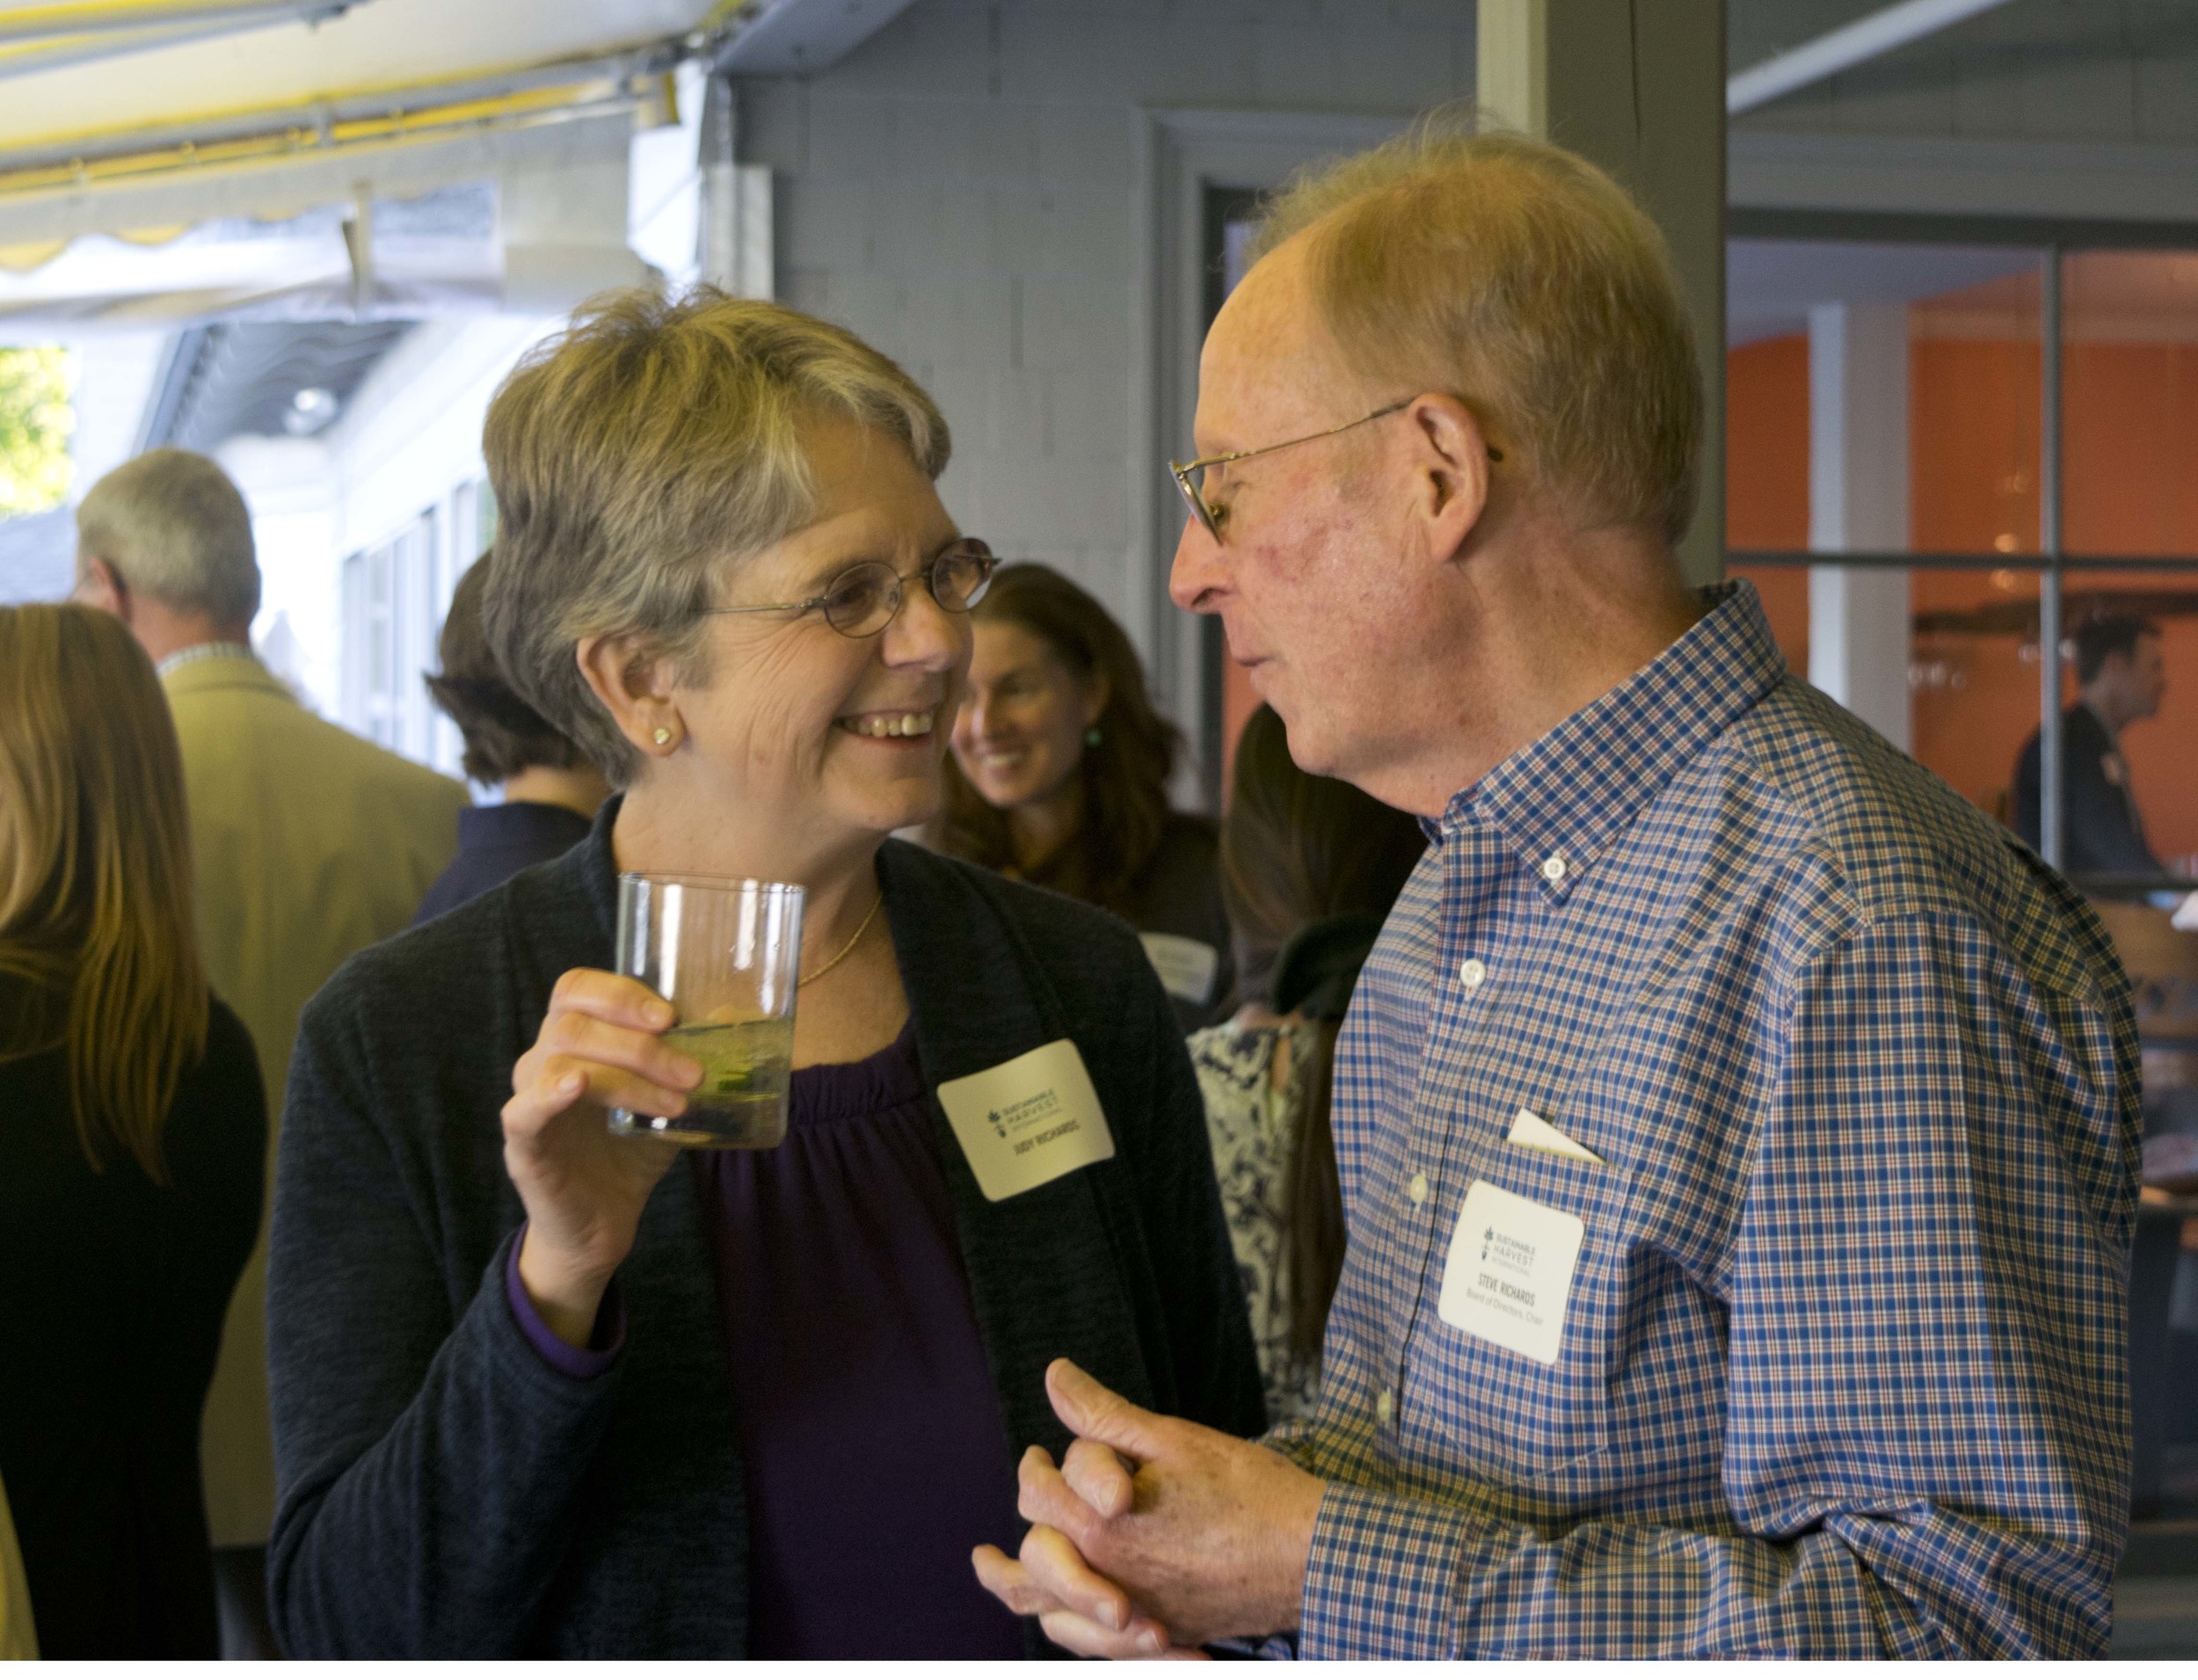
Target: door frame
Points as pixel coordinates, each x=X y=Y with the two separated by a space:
x=1179 y=154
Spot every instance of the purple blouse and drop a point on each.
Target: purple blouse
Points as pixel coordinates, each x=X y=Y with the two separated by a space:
x=871 y=1428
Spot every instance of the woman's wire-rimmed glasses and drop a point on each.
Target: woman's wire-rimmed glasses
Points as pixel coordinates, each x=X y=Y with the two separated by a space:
x=1190 y=475
x=865 y=598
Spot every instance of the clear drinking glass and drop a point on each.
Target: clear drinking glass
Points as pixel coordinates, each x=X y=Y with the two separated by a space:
x=727 y=956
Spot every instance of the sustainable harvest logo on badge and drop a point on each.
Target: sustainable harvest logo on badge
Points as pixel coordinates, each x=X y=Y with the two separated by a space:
x=1510 y=1271
x=1026 y=1121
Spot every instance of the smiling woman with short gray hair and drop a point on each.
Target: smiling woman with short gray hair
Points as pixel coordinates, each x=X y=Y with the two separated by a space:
x=537 y=1389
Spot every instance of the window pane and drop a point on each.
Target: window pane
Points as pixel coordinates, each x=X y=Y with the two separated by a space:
x=1834 y=348
x=1881 y=397
x=1975 y=415
x=1973 y=678
x=2156 y=750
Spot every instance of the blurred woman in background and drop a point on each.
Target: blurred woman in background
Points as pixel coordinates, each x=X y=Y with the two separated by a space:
x=551 y=791
x=1310 y=866
x=1059 y=777
x=132 y=1138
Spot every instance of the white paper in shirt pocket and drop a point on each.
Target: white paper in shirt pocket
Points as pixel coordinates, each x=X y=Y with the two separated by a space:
x=1530 y=1131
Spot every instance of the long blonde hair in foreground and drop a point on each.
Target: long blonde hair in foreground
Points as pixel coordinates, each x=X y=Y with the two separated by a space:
x=94 y=875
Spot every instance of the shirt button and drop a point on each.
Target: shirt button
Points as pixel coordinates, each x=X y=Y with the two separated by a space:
x=1471 y=972
x=1418 y=1188
x=1384 y=1405
x=1553 y=867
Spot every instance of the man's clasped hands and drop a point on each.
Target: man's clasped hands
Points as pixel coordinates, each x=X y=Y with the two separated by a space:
x=1152 y=1535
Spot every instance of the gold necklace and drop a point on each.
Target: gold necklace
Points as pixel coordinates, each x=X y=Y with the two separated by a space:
x=847 y=950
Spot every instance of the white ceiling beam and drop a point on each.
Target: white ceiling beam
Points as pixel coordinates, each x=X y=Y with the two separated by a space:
x=1842 y=48
x=802 y=37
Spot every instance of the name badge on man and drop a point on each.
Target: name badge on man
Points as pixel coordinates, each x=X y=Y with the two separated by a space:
x=1025 y=1123
x=1510 y=1271
x=1186 y=967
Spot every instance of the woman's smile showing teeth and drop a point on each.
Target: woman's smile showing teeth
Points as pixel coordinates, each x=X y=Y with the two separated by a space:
x=888 y=725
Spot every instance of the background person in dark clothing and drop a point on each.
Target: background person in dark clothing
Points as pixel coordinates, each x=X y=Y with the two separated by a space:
x=551 y=790
x=1059 y=776
x=2122 y=677
x=132 y=1134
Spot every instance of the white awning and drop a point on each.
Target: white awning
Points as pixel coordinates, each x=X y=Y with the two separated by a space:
x=226 y=155
x=374 y=44
x=239 y=174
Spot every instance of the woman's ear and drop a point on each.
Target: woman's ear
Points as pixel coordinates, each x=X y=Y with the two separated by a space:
x=1097 y=691
x=633 y=682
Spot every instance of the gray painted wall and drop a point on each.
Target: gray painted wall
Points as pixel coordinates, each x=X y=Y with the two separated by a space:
x=962 y=192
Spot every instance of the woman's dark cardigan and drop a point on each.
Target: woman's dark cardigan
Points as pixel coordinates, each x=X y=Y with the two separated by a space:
x=446 y=1492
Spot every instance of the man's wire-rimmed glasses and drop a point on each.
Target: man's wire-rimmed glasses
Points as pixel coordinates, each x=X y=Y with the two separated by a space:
x=865 y=598
x=1190 y=475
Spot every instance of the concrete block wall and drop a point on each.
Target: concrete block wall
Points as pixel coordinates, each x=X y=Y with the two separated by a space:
x=961 y=191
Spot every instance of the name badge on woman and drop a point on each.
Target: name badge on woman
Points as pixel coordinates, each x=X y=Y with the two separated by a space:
x=1026 y=1122
x=1186 y=967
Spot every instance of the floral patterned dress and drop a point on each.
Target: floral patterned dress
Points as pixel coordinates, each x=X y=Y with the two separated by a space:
x=1252 y=1120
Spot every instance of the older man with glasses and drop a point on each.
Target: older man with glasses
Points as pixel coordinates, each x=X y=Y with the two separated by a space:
x=1735 y=1128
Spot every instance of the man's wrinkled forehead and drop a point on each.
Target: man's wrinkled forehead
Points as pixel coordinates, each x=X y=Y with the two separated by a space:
x=1268 y=361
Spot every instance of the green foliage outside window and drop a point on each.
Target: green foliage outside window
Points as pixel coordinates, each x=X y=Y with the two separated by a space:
x=37 y=417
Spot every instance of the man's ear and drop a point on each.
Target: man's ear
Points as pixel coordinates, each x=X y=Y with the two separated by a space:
x=99 y=584
x=633 y=682
x=1451 y=470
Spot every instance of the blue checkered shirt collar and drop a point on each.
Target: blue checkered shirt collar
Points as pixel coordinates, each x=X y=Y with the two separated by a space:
x=1569 y=793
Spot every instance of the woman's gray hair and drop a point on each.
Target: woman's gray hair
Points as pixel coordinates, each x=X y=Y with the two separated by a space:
x=643 y=450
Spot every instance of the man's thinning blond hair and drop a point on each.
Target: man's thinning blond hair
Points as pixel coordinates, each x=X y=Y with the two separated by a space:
x=1522 y=280
x=640 y=455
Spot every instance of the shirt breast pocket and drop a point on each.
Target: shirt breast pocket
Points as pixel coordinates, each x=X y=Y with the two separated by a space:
x=1524 y=1419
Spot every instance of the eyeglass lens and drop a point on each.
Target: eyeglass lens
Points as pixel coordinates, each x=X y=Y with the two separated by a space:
x=1193 y=486
x=863 y=598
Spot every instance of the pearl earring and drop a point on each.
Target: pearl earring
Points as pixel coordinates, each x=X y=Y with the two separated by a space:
x=663 y=736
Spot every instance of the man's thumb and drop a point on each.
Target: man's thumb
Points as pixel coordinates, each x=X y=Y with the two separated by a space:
x=1093 y=1410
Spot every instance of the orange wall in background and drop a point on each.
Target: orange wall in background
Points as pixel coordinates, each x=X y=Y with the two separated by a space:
x=2132 y=431
x=2132 y=473
x=1973 y=416
x=1973 y=421
x=1766 y=444
x=1766 y=477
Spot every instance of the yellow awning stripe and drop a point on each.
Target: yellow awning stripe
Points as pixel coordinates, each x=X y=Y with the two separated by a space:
x=293 y=143
x=21 y=260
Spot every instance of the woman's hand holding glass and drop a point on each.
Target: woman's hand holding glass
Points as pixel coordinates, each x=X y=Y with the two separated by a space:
x=584 y=1189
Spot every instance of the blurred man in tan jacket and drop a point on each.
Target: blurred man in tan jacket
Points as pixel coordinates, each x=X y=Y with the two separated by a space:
x=310 y=844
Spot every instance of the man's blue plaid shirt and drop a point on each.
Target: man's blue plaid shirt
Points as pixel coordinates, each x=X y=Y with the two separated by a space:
x=1842 y=1370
